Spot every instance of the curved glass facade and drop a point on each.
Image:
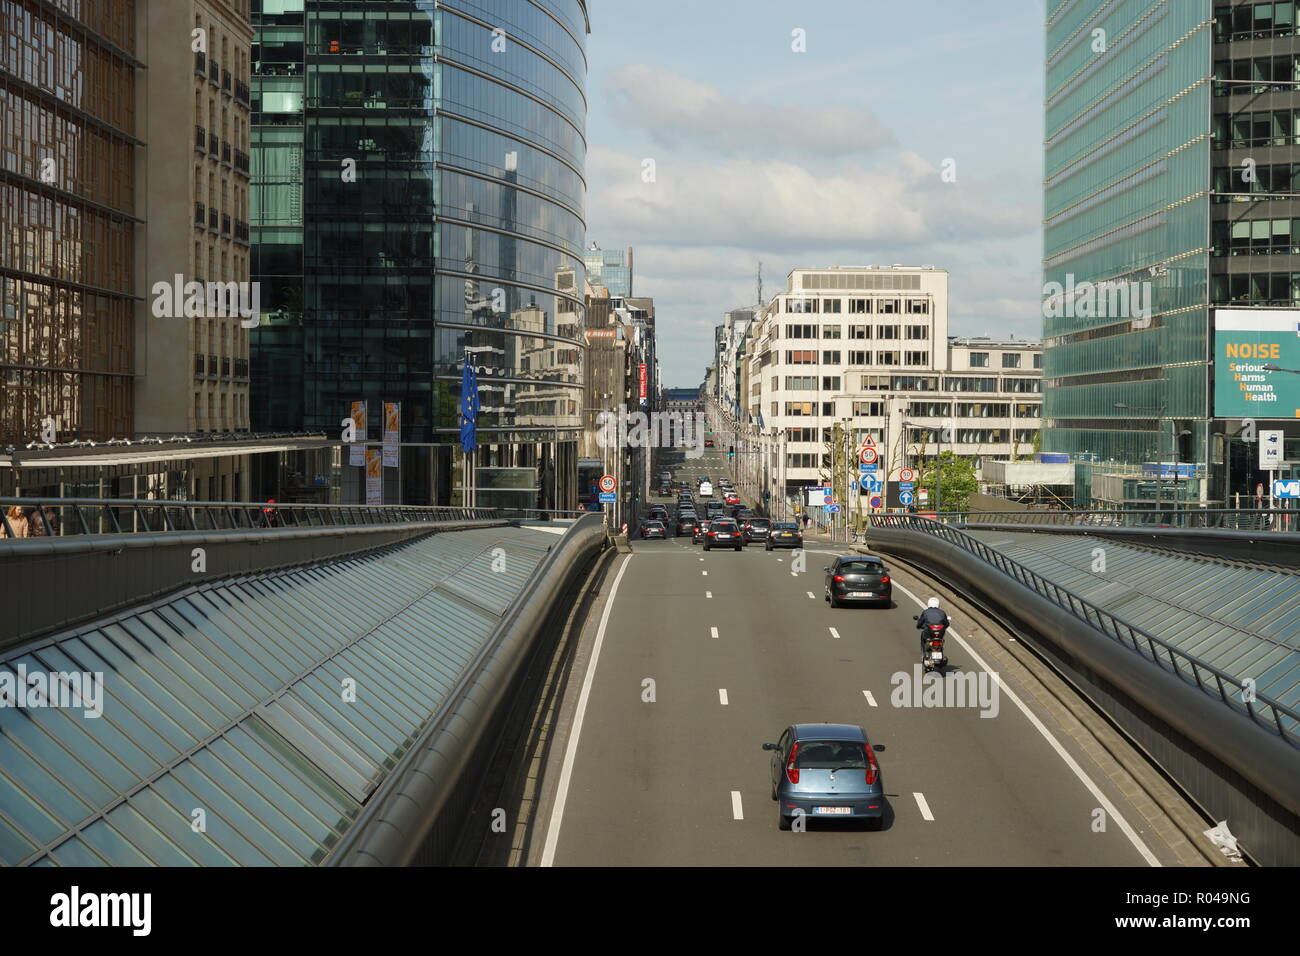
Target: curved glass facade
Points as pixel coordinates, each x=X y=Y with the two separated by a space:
x=441 y=209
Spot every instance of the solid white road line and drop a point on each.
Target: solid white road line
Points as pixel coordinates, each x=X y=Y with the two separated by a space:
x=722 y=696
x=1056 y=745
x=870 y=700
x=834 y=633
x=737 y=812
x=713 y=633
x=571 y=751
x=925 y=807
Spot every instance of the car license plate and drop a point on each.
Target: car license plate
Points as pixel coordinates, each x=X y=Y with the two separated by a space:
x=724 y=536
x=832 y=810
x=861 y=594
x=936 y=655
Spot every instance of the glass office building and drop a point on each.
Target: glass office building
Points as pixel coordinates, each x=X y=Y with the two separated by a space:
x=610 y=268
x=1152 y=109
x=419 y=192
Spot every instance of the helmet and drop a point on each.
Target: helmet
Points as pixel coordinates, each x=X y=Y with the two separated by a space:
x=934 y=602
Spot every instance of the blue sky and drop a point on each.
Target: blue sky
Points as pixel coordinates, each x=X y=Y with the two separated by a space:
x=832 y=156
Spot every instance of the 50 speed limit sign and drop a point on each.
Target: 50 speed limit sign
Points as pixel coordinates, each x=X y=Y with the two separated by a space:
x=608 y=483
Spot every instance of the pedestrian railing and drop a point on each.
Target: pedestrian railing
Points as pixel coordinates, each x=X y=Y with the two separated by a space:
x=1225 y=519
x=1235 y=693
x=80 y=516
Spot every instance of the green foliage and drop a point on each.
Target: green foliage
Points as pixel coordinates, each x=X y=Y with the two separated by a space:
x=958 y=484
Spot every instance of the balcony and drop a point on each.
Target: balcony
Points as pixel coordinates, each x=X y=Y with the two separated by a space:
x=214 y=73
x=225 y=224
x=241 y=92
x=241 y=163
x=200 y=138
x=198 y=363
x=201 y=64
x=226 y=85
x=241 y=231
x=200 y=217
x=225 y=153
x=213 y=219
x=214 y=144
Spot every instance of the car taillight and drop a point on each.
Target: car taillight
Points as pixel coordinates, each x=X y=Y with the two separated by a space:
x=712 y=533
x=884 y=579
x=791 y=771
x=839 y=577
x=873 y=768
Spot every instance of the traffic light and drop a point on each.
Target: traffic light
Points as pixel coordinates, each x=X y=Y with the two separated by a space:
x=731 y=451
x=767 y=496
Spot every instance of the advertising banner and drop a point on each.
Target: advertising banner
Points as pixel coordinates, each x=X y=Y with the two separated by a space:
x=357 y=453
x=374 y=477
x=392 y=433
x=1245 y=341
x=643 y=394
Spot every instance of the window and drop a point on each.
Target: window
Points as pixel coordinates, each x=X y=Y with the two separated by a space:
x=830 y=383
x=1028 y=411
x=801 y=358
x=801 y=434
x=776 y=383
x=979 y=359
x=916 y=358
x=1011 y=360
x=831 y=305
x=798 y=409
x=874 y=409
x=828 y=409
x=888 y=306
x=875 y=383
x=805 y=304
x=983 y=409
x=859 y=331
x=918 y=307
x=970 y=383
x=830 y=331
x=929 y=409
x=914 y=383
x=801 y=460
x=774 y=408
x=801 y=331
x=798 y=383
x=1022 y=385
x=860 y=306
x=859 y=358
x=887 y=358
x=887 y=331
x=1038 y=360
x=918 y=333
x=831 y=357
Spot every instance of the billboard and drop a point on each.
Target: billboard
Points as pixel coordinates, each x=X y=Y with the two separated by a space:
x=392 y=434
x=1246 y=340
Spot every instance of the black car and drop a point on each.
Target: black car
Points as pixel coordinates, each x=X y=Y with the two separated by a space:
x=723 y=533
x=858 y=577
x=653 y=529
x=783 y=534
x=701 y=529
x=755 y=529
x=686 y=524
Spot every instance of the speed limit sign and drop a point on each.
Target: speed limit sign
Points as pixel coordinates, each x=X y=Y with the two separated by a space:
x=906 y=474
x=608 y=483
x=868 y=456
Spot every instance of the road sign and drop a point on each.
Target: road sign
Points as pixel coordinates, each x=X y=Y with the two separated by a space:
x=905 y=498
x=870 y=483
x=868 y=441
x=608 y=497
x=906 y=485
x=830 y=500
x=608 y=483
x=868 y=455
x=867 y=469
x=906 y=474
x=876 y=501
x=832 y=508
x=1270 y=450
x=1286 y=489
x=923 y=494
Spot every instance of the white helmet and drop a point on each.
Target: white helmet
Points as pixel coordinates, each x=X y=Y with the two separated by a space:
x=934 y=602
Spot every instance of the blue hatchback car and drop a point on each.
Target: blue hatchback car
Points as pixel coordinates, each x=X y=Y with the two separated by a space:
x=826 y=771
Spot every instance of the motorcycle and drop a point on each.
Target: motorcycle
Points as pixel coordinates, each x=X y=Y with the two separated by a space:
x=932 y=655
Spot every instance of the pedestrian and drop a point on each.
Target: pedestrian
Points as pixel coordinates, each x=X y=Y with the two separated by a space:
x=17 y=523
x=35 y=526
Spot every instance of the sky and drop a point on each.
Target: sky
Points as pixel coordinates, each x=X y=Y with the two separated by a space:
x=834 y=155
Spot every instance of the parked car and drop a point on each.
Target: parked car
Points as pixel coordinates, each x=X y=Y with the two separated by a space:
x=755 y=529
x=858 y=577
x=723 y=533
x=783 y=534
x=826 y=770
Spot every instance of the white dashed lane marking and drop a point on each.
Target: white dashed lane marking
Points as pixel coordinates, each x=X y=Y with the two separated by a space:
x=924 y=807
x=713 y=633
x=870 y=700
x=737 y=812
x=811 y=595
x=722 y=696
x=834 y=633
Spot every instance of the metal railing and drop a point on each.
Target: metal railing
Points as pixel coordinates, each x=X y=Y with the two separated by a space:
x=61 y=517
x=1228 y=519
x=1263 y=710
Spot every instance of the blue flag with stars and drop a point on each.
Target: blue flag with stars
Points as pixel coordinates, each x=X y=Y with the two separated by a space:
x=469 y=407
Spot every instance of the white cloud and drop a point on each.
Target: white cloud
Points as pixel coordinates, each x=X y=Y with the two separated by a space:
x=676 y=111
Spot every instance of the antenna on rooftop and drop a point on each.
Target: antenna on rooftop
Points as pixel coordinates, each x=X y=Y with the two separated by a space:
x=760 y=283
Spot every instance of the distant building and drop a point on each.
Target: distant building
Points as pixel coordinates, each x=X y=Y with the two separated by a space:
x=610 y=268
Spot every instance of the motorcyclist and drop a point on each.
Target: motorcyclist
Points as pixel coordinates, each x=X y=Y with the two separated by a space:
x=931 y=615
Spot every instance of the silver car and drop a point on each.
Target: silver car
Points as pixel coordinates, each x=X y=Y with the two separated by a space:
x=826 y=771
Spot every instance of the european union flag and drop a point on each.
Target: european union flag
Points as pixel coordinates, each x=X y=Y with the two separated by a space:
x=468 y=407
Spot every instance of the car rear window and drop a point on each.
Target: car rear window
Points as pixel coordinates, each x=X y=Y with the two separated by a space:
x=830 y=755
x=758 y=522
x=861 y=567
x=723 y=526
x=785 y=526
x=654 y=524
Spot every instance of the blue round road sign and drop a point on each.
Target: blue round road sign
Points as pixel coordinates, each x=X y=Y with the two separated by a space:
x=875 y=501
x=905 y=497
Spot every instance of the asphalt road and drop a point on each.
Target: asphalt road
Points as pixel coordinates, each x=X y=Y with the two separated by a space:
x=681 y=779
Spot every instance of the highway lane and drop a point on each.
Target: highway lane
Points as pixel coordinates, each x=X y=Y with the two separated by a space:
x=653 y=782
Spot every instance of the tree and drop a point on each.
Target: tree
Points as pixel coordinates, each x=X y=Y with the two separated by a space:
x=958 y=484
